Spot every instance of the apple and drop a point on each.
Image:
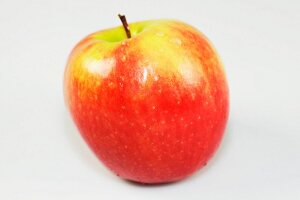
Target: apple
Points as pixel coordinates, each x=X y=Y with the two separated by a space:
x=149 y=98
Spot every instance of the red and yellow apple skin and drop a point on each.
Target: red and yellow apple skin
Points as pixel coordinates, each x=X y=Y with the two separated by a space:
x=154 y=107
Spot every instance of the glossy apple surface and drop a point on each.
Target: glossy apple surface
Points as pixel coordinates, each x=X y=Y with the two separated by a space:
x=153 y=108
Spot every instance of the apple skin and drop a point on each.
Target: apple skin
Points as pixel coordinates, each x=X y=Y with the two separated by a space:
x=153 y=108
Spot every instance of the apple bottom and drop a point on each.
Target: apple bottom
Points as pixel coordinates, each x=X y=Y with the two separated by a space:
x=156 y=163
x=153 y=148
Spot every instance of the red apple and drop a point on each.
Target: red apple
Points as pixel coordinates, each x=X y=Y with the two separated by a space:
x=153 y=107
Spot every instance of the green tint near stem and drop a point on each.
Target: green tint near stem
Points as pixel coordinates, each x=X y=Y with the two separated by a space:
x=118 y=34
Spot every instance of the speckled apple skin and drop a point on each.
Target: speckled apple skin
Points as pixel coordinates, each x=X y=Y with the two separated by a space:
x=153 y=108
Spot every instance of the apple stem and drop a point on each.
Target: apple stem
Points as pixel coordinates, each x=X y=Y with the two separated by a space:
x=125 y=25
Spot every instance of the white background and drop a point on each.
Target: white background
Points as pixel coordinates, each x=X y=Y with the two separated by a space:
x=42 y=155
